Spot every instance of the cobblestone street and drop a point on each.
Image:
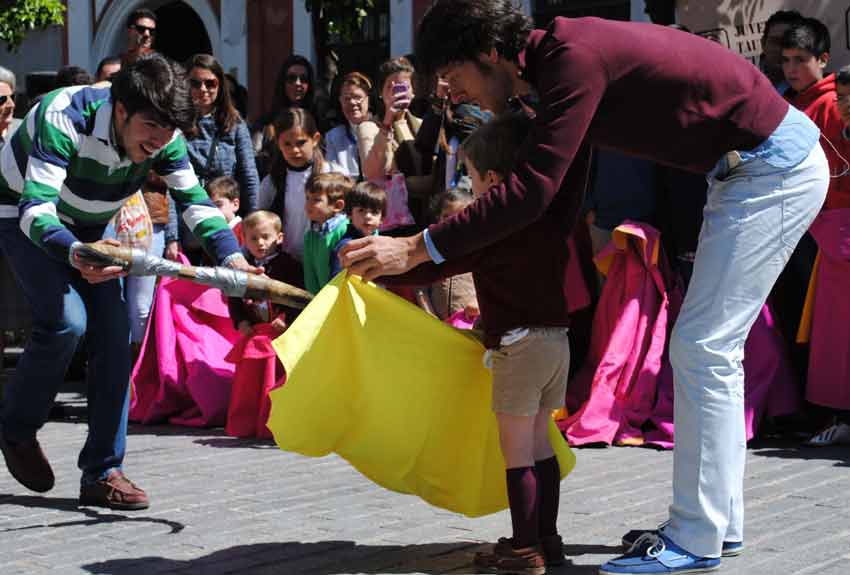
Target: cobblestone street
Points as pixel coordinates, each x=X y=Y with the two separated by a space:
x=222 y=505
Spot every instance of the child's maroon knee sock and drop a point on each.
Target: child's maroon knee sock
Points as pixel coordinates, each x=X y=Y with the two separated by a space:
x=549 y=490
x=522 y=498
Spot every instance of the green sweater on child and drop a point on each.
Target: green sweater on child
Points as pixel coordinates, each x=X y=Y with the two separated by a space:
x=319 y=243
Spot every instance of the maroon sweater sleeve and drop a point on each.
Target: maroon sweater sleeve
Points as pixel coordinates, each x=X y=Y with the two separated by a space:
x=571 y=81
x=429 y=272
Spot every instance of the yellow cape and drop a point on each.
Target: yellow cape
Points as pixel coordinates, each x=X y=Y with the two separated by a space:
x=402 y=396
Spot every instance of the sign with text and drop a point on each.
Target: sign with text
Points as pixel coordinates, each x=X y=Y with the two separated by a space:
x=739 y=24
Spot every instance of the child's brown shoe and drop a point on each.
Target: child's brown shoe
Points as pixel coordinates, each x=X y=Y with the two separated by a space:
x=503 y=557
x=551 y=545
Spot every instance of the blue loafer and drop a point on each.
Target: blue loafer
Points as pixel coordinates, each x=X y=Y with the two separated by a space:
x=655 y=554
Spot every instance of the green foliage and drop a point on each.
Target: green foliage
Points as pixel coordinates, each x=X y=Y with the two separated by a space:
x=19 y=17
x=341 y=19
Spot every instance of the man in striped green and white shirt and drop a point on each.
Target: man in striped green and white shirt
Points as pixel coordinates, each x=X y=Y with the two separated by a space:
x=77 y=157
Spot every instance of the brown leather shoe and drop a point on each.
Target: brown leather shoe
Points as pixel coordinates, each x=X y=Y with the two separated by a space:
x=524 y=561
x=28 y=464
x=114 y=492
x=552 y=547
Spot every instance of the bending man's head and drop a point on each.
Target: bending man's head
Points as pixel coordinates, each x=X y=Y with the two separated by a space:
x=475 y=45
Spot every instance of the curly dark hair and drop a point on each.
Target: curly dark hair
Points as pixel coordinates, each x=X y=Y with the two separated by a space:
x=454 y=31
x=156 y=85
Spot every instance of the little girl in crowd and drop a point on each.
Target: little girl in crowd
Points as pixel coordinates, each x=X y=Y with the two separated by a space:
x=298 y=158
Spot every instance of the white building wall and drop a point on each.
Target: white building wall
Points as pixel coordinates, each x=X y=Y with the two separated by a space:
x=233 y=49
x=302 y=32
x=401 y=27
x=638 y=11
x=40 y=51
x=79 y=22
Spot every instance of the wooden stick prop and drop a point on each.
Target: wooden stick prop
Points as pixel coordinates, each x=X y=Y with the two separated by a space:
x=233 y=283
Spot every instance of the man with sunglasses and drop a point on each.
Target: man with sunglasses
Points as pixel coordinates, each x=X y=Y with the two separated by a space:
x=141 y=33
x=79 y=154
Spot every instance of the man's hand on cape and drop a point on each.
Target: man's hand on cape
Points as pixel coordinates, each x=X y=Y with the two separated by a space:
x=377 y=256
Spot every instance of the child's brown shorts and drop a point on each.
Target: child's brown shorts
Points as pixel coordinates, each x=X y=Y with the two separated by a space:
x=531 y=374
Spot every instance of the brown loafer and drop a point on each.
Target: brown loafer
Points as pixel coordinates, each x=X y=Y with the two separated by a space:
x=28 y=464
x=551 y=545
x=524 y=561
x=114 y=492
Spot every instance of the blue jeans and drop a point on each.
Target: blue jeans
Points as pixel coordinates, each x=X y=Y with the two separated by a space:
x=754 y=217
x=64 y=307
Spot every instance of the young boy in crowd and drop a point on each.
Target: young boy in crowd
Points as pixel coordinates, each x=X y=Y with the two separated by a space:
x=325 y=207
x=224 y=193
x=525 y=330
x=365 y=206
x=455 y=294
x=805 y=54
x=264 y=239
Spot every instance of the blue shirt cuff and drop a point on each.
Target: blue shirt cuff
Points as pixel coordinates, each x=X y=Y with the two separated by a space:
x=433 y=252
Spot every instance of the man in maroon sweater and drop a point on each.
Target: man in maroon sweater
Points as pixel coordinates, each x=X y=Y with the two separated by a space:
x=676 y=99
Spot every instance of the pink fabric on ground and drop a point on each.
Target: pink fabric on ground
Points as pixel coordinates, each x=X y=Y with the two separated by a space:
x=627 y=343
x=769 y=384
x=258 y=371
x=181 y=376
x=828 y=381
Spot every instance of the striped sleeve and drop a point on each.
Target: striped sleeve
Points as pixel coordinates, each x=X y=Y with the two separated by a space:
x=201 y=216
x=55 y=141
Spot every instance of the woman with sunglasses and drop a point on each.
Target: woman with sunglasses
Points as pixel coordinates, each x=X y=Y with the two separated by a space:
x=222 y=145
x=14 y=312
x=7 y=104
x=294 y=88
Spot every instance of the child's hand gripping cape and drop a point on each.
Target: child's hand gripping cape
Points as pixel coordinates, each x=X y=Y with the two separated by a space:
x=402 y=396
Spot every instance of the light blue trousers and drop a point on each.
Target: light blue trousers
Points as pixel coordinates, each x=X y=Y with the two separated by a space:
x=754 y=217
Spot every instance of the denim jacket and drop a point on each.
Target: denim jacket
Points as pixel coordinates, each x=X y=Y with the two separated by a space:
x=234 y=156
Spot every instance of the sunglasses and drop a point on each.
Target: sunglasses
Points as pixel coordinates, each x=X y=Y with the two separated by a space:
x=4 y=98
x=208 y=84
x=293 y=78
x=142 y=29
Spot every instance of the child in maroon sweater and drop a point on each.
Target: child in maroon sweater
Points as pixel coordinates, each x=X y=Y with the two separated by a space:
x=525 y=331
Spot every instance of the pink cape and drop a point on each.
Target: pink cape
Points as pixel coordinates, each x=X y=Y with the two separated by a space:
x=258 y=371
x=769 y=385
x=181 y=376
x=627 y=343
x=829 y=357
